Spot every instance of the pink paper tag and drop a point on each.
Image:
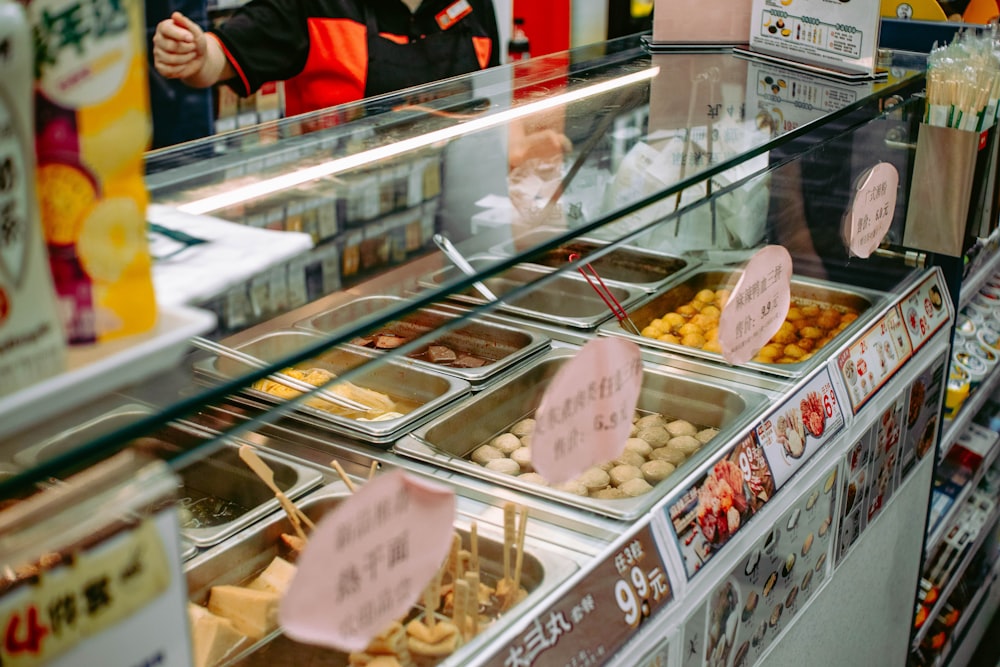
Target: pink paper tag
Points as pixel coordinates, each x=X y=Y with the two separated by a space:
x=872 y=209
x=757 y=306
x=586 y=412
x=368 y=562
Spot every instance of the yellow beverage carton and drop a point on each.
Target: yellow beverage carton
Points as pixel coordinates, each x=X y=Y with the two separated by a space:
x=92 y=128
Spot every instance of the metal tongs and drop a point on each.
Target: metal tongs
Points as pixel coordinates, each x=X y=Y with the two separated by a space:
x=449 y=249
x=280 y=378
x=606 y=296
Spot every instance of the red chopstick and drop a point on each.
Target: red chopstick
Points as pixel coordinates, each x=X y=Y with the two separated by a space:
x=606 y=295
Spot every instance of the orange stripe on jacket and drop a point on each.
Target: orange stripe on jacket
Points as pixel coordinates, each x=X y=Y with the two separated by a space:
x=483 y=47
x=232 y=61
x=336 y=69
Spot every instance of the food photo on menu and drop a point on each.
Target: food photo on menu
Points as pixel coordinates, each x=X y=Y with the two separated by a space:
x=707 y=516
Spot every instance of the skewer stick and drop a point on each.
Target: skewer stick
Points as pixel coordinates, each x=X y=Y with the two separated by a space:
x=460 y=596
x=521 y=529
x=371 y=471
x=343 y=475
x=472 y=603
x=474 y=547
x=508 y=537
x=430 y=606
x=455 y=557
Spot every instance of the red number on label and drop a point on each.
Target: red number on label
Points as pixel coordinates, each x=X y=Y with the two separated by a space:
x=828 y=405
x=28 y=640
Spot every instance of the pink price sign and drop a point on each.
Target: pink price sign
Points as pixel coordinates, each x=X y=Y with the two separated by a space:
x=586 y=412
x=368 y=562
x=872 y=209
x=757 y=306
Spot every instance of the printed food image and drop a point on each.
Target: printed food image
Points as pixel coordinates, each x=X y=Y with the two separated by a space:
x=382 y=405
x=926 y=442
x=722 y=502
x=67 y=194
x=917 y=394
x=722 y=624
x=656 y=448
x=791 y=433
x=808 y=327
x=813 y=413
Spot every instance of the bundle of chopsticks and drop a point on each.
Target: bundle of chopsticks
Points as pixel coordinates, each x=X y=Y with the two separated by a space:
x=963 y=83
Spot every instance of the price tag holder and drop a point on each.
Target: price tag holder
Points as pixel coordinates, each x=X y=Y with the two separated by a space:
x=869 y=363
x=706 y=516
x=872 y=209
x=798 y=428
x=368 y=562
x=585 y=415
x=837 y=36
x=757 y=306
x=598 y=615
x=925 y=310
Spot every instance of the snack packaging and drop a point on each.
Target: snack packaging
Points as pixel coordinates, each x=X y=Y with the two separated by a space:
x=92 y=128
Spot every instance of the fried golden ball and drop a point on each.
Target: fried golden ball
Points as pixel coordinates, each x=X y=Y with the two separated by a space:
x=706 y=296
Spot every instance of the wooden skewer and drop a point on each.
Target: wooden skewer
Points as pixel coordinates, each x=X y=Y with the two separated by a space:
x=460 y=595
x=474 y=547
x=472 y=602
x=250 y=457
x=343 y=475
x=371 y=471
x=521 y=529
x=455 y=557
x=508 y=537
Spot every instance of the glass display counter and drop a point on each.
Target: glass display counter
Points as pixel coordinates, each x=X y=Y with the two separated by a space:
x=664 y=174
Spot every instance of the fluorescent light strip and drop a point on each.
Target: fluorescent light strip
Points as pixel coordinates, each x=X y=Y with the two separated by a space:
x=295 y=178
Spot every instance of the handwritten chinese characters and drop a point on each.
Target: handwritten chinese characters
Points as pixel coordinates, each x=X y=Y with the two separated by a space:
x=872 y=209
x=757 y=306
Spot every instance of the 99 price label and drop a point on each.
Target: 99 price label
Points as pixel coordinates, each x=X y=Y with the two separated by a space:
x=642 y=586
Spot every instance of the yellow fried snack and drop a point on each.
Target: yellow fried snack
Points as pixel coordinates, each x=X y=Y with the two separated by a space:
x=66 y=195
x=110 y=238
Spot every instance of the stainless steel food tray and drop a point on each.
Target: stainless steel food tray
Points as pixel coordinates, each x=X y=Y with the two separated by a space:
x=504 y=345
x=220 y=475
x=448 y=440
x=809 y=290
x=646 y=269
x=240 y=559
x=401 y=380
x=567 y=300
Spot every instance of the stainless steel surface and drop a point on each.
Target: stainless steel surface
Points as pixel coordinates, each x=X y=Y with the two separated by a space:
x=280 y=378
x=222 y=476
x=403 y=382
x=240 y=559
x=504 y=346
x=626 y=264
x=567 y=300
x=803 y=289
x=449 y=440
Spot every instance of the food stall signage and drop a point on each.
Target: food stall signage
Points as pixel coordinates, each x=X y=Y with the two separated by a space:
x=596 y=617
x=872 y=209
x=841 y=36
x=925 y=310
x=757 y=306
x=793 y=433
x=585 y=415
x=50 y=612
x=368 y=562
x=706 y=516
x=869 y=363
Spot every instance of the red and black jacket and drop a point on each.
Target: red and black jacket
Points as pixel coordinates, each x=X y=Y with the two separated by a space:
x=334 y=51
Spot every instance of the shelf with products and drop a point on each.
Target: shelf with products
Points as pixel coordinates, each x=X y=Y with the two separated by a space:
x=972 y=625
x=593 y=202
x=945 y=566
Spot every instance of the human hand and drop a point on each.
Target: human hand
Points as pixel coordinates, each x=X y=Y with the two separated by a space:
x=544 y=145
x=179 y=47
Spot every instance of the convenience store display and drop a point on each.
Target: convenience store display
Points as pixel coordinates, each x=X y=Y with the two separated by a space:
x=786 y=480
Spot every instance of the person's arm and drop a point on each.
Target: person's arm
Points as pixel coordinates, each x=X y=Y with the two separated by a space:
x=182 y=50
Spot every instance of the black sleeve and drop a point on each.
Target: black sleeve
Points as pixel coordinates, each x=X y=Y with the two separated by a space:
x=488 y=19
x=265 y=40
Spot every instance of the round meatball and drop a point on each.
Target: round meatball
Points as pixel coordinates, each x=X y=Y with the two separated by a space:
x=606 y=466
x=673 y=456
x=506 y=466
x=610 y=493
x=685 y=443
x=621 y=474
x=681 y=427
x=639 y=446
x=486 y=453
x=634 y=431
x=574 y=487
x=523 y=458
x=705 y=435
x=533 y=478
x=526 y=440
x=650 y=421
x=523 y=428
x=635 y=487
x=506 y=443
x=657 y=436
x=655 y=472
x=594 y=478
x=628 y=458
